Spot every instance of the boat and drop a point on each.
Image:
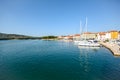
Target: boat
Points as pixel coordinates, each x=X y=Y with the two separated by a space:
x=90 y=43
x=88 y=47
x=80 y=40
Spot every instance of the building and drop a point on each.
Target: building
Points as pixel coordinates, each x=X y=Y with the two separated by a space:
x=61 y=37
x=89 y=35
x=108 y=35
x=101 y=36
x=76 y=37
x=113 y=34
x=119 y=35
x=69 y=37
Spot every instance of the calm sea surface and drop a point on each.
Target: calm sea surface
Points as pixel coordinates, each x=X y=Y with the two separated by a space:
x=55 y=60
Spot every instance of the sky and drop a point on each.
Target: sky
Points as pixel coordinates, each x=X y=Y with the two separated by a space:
x=58 y=17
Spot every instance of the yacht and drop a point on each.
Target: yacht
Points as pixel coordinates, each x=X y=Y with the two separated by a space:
x=90 y=43
x=80 y=40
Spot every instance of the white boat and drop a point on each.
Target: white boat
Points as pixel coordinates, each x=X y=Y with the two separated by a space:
x=90 y=43
x=76 y=42
x=80 y=40
x=88 y=47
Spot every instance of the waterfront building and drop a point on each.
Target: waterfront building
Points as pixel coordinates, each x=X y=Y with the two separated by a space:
x=76 y=37
x=119 y=35
x=89 y=35
x=61 y=37
x=101 y=36
x=113 y=34
x=69 y=37
x=108 y=35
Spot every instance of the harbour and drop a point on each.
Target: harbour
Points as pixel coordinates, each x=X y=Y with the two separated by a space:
x=56 y=60
x=60 y=40
x=114 y=48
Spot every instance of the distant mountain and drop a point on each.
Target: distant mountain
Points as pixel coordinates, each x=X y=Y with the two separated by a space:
x=4 y=36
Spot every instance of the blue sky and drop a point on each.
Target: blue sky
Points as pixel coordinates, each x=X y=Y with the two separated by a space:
x=58 y=17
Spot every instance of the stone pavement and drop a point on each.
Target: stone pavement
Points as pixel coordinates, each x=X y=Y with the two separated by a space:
x=113 y=47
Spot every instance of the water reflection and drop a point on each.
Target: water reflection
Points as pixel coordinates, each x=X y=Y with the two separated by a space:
x=85 y=55
x=87 y=47
x=83 y=58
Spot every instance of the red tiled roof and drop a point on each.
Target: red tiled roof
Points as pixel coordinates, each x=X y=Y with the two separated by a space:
x=113 y=31
x=101 y=33
x=87 y=33
x=77 y=35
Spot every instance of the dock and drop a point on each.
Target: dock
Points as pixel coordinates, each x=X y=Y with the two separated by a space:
x=114 y=48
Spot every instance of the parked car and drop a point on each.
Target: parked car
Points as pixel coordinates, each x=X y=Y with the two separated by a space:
x=118 y=42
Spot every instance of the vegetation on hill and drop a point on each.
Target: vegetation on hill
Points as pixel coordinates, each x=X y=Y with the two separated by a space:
x=4 y=36
x=49 y=37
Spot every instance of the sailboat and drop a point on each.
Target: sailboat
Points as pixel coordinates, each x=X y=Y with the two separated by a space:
x=78 y=41
x=90 y=43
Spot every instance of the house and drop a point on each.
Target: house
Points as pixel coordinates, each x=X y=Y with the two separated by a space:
x=69 y=37
x=101 y=36
x=113 y=34
x=89 y=35
x=108 y=35
x=119 y=35
x=76 y=37
x=61 y=37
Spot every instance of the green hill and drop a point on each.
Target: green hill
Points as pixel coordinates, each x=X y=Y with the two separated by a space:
x=4 y=36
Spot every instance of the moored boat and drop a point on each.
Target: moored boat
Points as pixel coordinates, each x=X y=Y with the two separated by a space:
x=90 y=43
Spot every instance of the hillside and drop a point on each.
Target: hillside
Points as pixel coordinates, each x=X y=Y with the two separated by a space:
x=4 y=36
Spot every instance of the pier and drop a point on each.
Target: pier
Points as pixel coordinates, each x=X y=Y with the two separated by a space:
x=114 y=48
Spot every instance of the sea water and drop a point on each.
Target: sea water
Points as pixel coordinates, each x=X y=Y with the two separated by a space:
x=55 y=60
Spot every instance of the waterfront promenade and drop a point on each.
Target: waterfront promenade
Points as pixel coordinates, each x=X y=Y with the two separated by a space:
x=112 y=47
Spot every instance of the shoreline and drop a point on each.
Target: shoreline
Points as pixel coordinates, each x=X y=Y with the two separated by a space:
x=114 y=48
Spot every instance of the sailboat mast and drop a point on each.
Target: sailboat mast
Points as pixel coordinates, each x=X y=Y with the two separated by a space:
x=86 y=29
x=86 y=24
x=80 y=27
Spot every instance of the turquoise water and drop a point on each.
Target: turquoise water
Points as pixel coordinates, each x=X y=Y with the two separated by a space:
x=55 y=60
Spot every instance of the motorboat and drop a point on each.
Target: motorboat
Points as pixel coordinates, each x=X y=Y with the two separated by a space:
x=90 y=43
